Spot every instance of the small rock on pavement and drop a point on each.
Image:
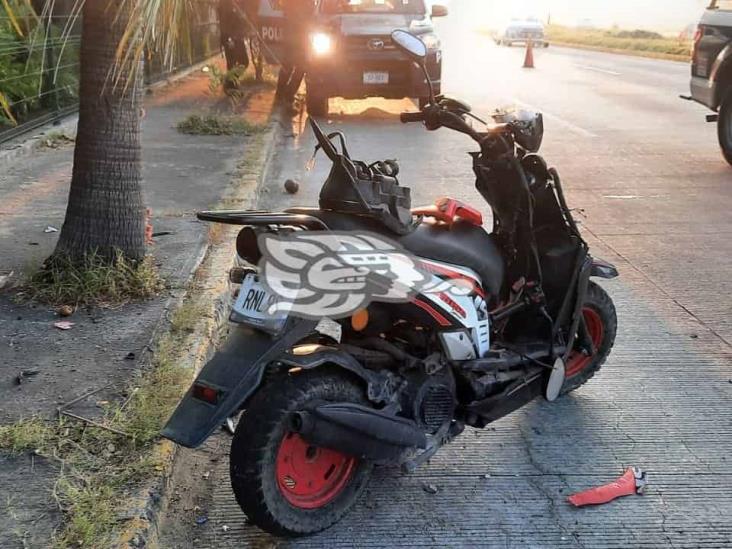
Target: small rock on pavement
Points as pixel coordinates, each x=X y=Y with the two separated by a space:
x=64 y=325
x=430 y=488
x=292 y=186
x=65 y=310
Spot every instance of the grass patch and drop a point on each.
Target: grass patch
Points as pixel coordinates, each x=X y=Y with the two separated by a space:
x=26 y=435
x=56 y=140
x=212 y=124
x=93 y=281
x=99 y=466
x=185 y=318
x=632 y=41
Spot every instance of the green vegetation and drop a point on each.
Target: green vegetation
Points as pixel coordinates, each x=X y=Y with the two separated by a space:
x=93 y=281
x=636 y=41
x=29 y=81
x=24 y=436
x=214 y=124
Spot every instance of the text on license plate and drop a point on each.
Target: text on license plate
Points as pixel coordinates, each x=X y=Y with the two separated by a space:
x=376 y=78
x=254 y=306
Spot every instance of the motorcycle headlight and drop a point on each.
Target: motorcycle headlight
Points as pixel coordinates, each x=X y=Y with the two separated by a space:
x=431 y=41
x=321 y=43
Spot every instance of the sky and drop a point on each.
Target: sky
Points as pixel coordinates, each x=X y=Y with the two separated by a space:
x=661 y=15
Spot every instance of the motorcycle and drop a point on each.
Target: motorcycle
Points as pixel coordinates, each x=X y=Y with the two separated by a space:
x=322 y=400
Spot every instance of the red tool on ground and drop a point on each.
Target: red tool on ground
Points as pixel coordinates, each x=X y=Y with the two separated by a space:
x=529 y=59
x=634 y=481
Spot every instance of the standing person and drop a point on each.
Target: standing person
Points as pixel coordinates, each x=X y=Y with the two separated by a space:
x=233 y=31
x=298 y=17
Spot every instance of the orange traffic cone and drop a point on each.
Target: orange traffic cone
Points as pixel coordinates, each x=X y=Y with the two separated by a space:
x=529 y=60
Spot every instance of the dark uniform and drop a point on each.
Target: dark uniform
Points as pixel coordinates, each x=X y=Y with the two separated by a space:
x=233 y=30
x=298 y=17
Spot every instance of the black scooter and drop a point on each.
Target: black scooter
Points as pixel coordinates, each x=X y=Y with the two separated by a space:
x=320 y=401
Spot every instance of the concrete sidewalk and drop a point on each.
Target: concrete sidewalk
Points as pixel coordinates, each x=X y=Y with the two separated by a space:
x=105 y=348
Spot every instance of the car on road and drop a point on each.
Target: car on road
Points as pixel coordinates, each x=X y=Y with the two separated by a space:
x=522 y=31
x=352 y=54
x=711 y=69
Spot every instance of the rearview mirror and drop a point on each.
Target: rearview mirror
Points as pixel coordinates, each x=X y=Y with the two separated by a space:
x=439 y=11
x=410 y=44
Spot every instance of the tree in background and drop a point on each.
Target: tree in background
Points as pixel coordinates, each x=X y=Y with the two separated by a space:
x=105 y=215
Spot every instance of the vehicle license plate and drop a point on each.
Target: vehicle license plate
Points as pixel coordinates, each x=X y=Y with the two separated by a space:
x=376 y=78
x=253 y=304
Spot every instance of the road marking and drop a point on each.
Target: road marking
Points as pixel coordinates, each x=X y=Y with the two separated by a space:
x=597 y=69
x=558 y=120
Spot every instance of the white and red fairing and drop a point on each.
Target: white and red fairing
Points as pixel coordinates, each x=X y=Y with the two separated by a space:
x=463 y=319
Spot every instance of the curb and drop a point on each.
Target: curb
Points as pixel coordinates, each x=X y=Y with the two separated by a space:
x=144 y=508
x=27 y=144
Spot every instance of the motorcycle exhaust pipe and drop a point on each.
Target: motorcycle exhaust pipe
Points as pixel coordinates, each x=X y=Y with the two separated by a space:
x=358 y=431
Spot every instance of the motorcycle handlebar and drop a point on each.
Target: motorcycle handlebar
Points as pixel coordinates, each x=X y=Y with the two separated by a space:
x=407 y=117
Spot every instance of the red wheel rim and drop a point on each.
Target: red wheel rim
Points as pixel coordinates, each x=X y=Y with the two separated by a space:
x=578 y=361
x=310 y=477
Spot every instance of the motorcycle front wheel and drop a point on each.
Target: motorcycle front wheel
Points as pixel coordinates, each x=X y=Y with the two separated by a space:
x=283 y=484
x=602 y=325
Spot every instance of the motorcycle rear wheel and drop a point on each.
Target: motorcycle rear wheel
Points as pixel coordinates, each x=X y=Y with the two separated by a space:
x=602 y=324
x=284 y=485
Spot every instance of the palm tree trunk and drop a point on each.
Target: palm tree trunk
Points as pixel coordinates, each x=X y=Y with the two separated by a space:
x=105 y=211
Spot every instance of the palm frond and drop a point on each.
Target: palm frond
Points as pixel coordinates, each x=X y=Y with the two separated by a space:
x=5 y=105
x=162 y=26
x=11 y=16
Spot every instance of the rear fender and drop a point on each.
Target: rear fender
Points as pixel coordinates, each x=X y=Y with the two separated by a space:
x=381 y=385
x=233 y=374
x=603 y=269
x=721 y=75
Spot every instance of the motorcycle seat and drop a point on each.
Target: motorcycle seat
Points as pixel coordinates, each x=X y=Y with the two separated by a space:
x=460 y=244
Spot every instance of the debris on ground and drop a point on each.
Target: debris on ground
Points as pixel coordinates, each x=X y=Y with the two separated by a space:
x=634 y=481
x=65 y=310
x=225 y=528
x=292 y=186
x=63 y=325
x=5 y=278
x=430 y=488
x=20 y=378
x=201 y=520
x=50 y=229
x=130 y=356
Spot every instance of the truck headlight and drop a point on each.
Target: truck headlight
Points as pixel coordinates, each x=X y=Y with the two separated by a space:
x=321 y=43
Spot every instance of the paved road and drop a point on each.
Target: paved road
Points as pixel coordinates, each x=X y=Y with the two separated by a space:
x=644 y=169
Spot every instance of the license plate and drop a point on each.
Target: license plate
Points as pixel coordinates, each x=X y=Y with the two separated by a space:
x=253 y=306
x=376 y=78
